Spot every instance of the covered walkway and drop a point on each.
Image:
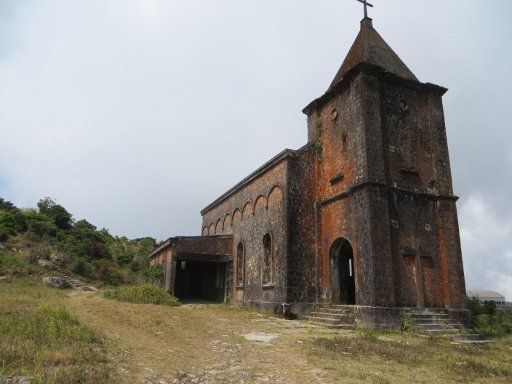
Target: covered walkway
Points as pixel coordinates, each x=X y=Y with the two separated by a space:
x=197 y=268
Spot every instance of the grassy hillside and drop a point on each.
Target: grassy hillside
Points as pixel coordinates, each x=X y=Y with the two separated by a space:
x=41 y=339
x=50 y=233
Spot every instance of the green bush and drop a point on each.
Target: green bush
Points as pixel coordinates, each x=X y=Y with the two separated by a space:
x=155 y=273
x=107 y=272
x=143 y=294
x=6 y=205
x=82 y=267
x=41 y=229
x=124 y=258
x=487 y=319
x=14 y=220
x=4 y=233
x=55 y=212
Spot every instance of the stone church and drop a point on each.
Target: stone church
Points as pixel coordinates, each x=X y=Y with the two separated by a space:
x=364 y=214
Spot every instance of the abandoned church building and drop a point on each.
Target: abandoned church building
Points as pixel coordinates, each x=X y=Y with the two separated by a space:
x=362 y=215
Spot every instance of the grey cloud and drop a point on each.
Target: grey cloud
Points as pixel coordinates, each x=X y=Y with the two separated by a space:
x=137 y=114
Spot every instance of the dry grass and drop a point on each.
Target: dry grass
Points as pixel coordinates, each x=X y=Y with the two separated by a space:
x=149 y=343
x=403 y=358
x=39 y=338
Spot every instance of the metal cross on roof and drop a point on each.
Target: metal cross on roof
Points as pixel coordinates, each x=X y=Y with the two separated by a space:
x=366 y=5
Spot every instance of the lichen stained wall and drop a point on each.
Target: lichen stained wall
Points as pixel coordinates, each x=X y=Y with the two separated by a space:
x=257 y=208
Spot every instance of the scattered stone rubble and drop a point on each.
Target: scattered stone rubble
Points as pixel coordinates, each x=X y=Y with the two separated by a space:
x=66 y=282
x=15 y=379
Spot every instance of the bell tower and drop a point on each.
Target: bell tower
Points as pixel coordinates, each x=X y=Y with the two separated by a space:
x=384 y=182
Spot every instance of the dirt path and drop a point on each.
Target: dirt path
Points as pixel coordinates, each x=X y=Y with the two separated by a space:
x=200 y=343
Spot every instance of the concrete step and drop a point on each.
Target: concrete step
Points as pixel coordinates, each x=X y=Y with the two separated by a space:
x=342 y=316
x=423 y=317
x=325 y=320
x=334 y=326
x=337 y=309
x=333 y=310
x=437 y=327
x=349 y=308
x=429 y=321
x=472 y=338
x=441 y=331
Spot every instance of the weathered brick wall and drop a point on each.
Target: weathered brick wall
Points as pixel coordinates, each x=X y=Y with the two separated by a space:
x=215 y=245
x=259 y=207
x=303 y=263
x=349 y=154
x=383 y=182
x=418 y=169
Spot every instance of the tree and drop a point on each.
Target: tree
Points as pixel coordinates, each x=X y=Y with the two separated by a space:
x=40 y=228
x=14 y=220
x=6 y=205
x=57 y=213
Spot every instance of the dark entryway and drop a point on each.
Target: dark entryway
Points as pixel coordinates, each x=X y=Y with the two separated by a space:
x=200 y=280
x=342 y=256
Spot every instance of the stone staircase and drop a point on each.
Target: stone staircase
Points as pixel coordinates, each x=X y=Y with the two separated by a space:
x=429 y=321
x=332 y=316
x=435 y=322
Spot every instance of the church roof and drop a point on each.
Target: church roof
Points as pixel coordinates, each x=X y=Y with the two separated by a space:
x=369 y=47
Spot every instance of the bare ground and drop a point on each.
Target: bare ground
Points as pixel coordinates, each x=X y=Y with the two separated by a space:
x=222 y=344
x=201 y=343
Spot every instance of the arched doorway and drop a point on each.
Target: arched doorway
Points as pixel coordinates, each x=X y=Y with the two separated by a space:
x=343 y=272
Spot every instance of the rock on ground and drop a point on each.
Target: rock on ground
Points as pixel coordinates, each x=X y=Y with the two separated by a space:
x=57 y=282
x=59 y=258
x=15 y=379
x=45 y=263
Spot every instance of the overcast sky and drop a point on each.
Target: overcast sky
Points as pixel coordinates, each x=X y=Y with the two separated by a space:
x=135 y=114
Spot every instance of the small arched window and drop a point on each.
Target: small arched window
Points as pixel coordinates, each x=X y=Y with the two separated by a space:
x=240 y=265
x=268 y=260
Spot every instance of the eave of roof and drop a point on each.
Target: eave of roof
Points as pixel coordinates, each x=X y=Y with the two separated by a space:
x=375 y=70
x=287 y=153
x=172 y=240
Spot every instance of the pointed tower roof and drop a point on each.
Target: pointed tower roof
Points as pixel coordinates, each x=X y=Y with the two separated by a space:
x=369 y=47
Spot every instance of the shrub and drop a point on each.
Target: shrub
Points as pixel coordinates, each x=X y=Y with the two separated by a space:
x=82 y=267
x=474 y=306
x=4 y=234
x=487 y=319
x=57 y=213
x=155 y=273
x=107 y=272
x=124 y=258
x=143 y=294
x=6 y=205
x=14 y=220
x=40 y=229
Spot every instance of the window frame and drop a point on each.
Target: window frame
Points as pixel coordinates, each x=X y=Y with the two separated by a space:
x=240 y=284
x=268 y=284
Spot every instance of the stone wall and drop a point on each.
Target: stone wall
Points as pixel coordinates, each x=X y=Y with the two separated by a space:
x=256 y=208
x=383 y=182
x=303 y=262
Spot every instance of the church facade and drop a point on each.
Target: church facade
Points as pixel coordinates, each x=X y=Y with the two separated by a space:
x=364 y=214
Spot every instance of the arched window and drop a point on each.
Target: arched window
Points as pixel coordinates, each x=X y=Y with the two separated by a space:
x=268 y=260
x=240 y=265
